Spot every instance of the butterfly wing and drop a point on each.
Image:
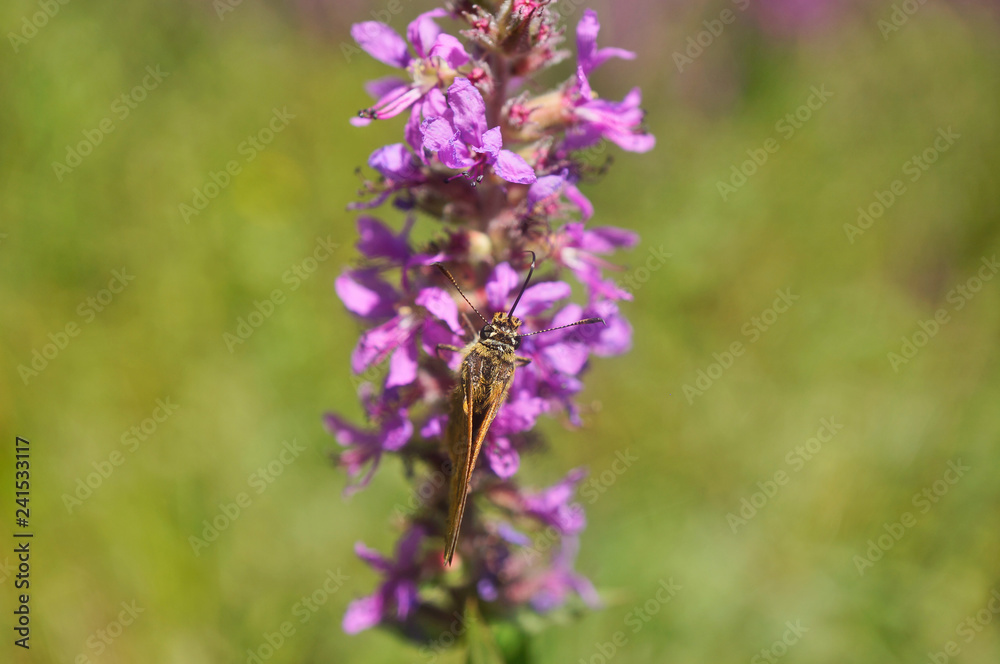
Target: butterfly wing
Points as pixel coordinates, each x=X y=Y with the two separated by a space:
x=483 y=391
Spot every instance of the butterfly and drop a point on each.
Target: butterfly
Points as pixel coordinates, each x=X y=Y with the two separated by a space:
x=482 y=383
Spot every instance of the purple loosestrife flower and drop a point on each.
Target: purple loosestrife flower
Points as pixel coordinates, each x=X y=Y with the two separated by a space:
x=593 y=118
x=461 y=140
x=577 y=248
x=577 y=111
x=489 y=171
x=397 y=593
x=393 y=431
x=438 y=57
x=589 y=57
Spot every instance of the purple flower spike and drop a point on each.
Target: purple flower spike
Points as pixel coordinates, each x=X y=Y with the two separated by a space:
x=416 y=331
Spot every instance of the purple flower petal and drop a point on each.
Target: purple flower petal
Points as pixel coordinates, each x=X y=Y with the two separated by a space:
x=512 y=535
x=588 y=55
x=409 y=545
x=450 y=50
x=492 y=142
x=435 y=333
x=346 y=433
x=603 y=239
x=378 y=241
x=411 y=132
x=585 y=589
x=441 y=305
x=467 y=104
x=568 y=358
x=545 y=188
x=395 y=437
x=519 y=413
x=552 y=506
x=363 y=613
x=498 y=287
x=437 y=134
x=616 y=121
x=394 y=162
x=513 y=168
x=422 y=31
x=456 y=155
x=403 y=365
x=362 y=447
x=374 y=559
x=614 y=339
x=434 y=426
x=502 y=457
x=382 y=43
x=406 y=598
x=380 y=87
x=579 y=200
x=541 y=296
x=582 y=136
x=487 y=590
x=365 y=294
x=434 y=105
x=376 y=344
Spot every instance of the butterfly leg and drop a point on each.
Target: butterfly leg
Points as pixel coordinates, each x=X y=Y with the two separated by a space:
x=441 y=347
x=521 y=361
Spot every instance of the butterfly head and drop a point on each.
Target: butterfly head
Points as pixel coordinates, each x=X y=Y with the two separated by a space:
x=501 y=331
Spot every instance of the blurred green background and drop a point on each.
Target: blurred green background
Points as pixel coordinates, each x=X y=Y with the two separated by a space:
x=161 y=338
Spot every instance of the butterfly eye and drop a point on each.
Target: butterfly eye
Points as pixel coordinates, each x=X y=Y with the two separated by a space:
x=487 y=331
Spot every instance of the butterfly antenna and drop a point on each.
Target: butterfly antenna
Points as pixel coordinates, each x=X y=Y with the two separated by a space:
x=459 y=289
x=531 y=270
x=585 y=321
